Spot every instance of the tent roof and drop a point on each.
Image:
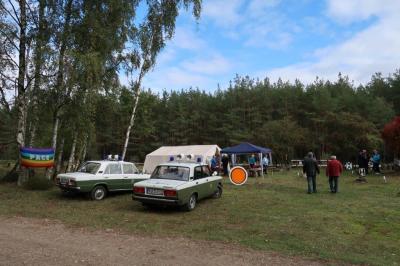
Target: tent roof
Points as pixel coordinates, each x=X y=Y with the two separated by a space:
x=244 y=148
x=189 y=149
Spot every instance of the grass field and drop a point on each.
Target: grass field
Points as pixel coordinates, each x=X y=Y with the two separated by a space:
x=361 y=224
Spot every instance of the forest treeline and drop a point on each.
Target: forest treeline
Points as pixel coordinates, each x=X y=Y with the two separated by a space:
x=60 y=63
x=291 y=118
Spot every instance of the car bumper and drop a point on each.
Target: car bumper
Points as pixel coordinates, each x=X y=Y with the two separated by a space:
x=68 y=188
x=159 y=201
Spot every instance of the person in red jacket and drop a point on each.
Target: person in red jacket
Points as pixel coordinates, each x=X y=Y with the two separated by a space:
x=333 y=171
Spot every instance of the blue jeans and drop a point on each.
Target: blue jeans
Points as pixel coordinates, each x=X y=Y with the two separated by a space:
x=312 y=184
x=334 y=183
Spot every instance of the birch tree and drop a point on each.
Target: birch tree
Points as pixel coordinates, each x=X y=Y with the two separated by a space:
x=148 y=40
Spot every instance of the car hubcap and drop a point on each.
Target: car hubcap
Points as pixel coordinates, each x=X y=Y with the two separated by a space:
x=99 y=194
x=192 y=202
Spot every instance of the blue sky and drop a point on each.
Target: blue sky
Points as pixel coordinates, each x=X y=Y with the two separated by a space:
x=280 y=38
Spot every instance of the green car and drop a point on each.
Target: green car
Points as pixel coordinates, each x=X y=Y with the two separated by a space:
x=180 y=184
x=100 y=177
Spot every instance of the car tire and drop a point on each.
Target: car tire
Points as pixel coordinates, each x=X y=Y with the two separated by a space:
x=191 y=203
x=98 y=193
x=218 y=193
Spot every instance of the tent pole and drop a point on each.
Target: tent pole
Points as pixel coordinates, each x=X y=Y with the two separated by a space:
x=270 y=162
x=262 y=166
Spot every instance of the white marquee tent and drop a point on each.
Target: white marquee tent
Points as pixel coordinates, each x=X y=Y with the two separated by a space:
x=204 y=153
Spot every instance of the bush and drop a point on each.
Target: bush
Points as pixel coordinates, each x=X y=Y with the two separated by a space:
x=6 y=176
x=38 y=183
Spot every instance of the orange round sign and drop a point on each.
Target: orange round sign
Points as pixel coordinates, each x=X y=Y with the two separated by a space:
x=238 y=175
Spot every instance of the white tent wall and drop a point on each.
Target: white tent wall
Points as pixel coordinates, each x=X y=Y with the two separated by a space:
x=163 y=154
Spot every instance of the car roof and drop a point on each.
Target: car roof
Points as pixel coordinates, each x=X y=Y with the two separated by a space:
x=107 y=161
x=183 y=164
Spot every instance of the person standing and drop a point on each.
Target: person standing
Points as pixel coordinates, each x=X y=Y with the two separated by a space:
x=213 y=164
x=225 y=161
x=265 y=163
x=362 y=161
x=252 y=161
x=376 y=160
x=334 y=169
x=311 y=169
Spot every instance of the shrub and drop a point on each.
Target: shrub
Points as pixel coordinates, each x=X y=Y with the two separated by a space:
x=38 y=183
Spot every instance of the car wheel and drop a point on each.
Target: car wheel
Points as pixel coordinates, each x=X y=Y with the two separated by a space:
x=191 y=203
x=98 y=193
x=218 y=193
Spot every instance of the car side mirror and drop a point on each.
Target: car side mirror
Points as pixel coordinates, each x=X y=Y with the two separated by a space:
x=214 y=173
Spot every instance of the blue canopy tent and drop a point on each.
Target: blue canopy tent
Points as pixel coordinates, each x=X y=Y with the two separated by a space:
x=247 y=148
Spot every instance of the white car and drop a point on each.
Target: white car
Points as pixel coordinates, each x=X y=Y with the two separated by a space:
x=100 y=177
x=178 y=183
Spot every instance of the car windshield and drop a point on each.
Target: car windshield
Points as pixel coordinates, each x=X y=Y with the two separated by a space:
x=171 y=172
x=89 y=167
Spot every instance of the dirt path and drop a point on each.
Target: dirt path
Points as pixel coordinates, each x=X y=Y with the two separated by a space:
x=26 y=241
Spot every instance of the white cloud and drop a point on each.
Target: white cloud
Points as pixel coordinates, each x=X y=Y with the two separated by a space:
x=374 y=49
x=205 y=72
x=214 y=65
x=223 y=13
x=176 y=78
x=258 y=7
x=255 y=21
x=346 y=11
x=185 y=38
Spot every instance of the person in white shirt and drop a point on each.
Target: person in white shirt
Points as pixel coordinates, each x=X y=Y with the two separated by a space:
x=265 y=163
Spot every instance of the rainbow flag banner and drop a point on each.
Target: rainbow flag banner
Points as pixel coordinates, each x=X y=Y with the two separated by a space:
x=37 y=157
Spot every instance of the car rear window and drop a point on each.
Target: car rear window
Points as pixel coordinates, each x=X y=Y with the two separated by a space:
x=129 y=168
x=171 y=172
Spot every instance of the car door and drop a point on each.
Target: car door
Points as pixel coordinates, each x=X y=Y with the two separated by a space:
x=115 y=176
x=130 y=175
x=200 y=182
x=209 y=185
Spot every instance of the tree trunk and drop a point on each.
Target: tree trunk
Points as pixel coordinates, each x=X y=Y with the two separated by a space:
x=38 y=61
x=82 y=153
x=60 y=73
x=60 y=156
x=137 y=91
x=49 y=171
x=72 y=155
x=21 y=98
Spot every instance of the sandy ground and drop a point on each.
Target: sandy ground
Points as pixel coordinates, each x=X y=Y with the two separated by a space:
x=27 y=241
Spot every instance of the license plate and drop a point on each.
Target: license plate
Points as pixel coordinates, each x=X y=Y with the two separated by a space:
x=155 y=192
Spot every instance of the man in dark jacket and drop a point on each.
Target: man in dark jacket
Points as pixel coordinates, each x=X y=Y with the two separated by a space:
x=362 y=161
x=225 y=161
x=333 y=171
x=311 y=169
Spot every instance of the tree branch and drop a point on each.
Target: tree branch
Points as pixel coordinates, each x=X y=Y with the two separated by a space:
x=3 y=100
x=9 y=40
x=11 y=59
x=16 y=20
x=35 y=20
x=6 y=77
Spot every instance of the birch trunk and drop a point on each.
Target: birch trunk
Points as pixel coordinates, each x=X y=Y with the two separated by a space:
x=38 y=61
x=132 y=120
x=72 y=155
x=60 y=156
x=21 y=98
x=82 y=153
x=49 y=171
x=60 y=77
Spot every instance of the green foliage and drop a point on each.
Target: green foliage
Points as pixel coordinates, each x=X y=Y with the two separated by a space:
x=38 y=182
